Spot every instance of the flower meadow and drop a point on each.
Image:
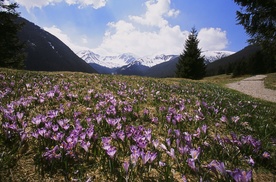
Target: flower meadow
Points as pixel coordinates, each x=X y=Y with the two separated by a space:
x=91 y=127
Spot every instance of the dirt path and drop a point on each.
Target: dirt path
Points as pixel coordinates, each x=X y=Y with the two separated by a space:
x=254 y=86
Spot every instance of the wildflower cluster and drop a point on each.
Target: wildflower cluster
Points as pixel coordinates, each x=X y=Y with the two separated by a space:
x=117 y=128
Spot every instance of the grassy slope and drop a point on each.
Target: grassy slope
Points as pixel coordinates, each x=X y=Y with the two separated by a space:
x=270 y=81
x=236 y=124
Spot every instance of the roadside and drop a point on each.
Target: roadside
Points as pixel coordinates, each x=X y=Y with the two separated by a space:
x=254 y=86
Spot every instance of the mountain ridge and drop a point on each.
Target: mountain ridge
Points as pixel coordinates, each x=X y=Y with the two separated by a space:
x=45 y=52
x=130 y=64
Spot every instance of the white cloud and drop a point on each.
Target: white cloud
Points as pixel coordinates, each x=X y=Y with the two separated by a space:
x=212 y=39
x=127 y=38
x=173 y=13
x=151 y=34
x=96 y=4
x=82 y=3
x=36 y=3
x=64 y=38
x=154 y=16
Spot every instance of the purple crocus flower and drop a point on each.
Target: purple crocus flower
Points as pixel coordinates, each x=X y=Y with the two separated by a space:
x=169 y=117
x=184 y=179
x=204 y=128
x=37 y=120
x=251 y=161
x=41 y=131
x=146 y=112
x=135 y=153
x=154 y=120
x=161 y=164
x=188 y=138
x=241 y=176
x=155 y=143
x=121 y=135
x=113 y=135
x=195 y=153
x=126 y=166
x=19 y=115
x=57 y=136
x=50 y=94
x=235 y=119
x=191 y=163
x=52 y=114
x=148 y=134
x=223 y=119
x=266 y=155
x=197 y=134
x=85 y=145
x=48 y=125
x=162 y=146
x=90 y=132
x=106 y=141
x=153 y=156
x=82 y=135
x=53 y=153
x=64 y=123
x=168 y=141
x=111 y=151
x=183 y=150
x=99 y=118
x=171 y=153
x=178 y=117
x=113 y=121
x=55 y=128
x=145 y=157
x=216 y=166
x=35 y=134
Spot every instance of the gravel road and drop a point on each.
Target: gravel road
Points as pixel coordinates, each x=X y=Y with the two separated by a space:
x=254 y=86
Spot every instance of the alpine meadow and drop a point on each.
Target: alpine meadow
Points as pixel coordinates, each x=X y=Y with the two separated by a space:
x=90 y=127
x=102 y=91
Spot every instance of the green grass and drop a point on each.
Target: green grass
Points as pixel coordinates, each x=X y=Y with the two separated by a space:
x=270 y=81
x=172 y=111
x=223 y=79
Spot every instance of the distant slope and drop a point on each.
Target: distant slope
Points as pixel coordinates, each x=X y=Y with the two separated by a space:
x=46 y=52
x=166 y=69
x=213 y=68
x=135 y=68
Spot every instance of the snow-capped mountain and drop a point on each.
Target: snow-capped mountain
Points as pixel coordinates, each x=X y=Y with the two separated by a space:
x=106 y=61
x=129 y=64
x=211 y=56
x=122 y=59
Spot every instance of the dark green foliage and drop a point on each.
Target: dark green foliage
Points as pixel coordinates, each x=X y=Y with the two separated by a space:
x=258 y=17
x=11 y=49
x=191 y=63
x=258 y=63
x=251 y=60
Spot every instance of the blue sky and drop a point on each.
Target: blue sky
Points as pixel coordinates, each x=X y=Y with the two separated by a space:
x=141 y=27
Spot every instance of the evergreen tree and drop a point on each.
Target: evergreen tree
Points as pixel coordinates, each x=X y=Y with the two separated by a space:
x=191 y=63
x=11 y=49
x=258 y=18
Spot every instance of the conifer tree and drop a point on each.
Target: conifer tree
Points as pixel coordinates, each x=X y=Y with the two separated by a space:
x=11 y=49
x=191 y=63
x=258 y=18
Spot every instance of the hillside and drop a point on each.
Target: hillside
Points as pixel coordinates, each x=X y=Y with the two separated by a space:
x=214 y=67
x=45 y=52
x=92 y=127
x=163 y=70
